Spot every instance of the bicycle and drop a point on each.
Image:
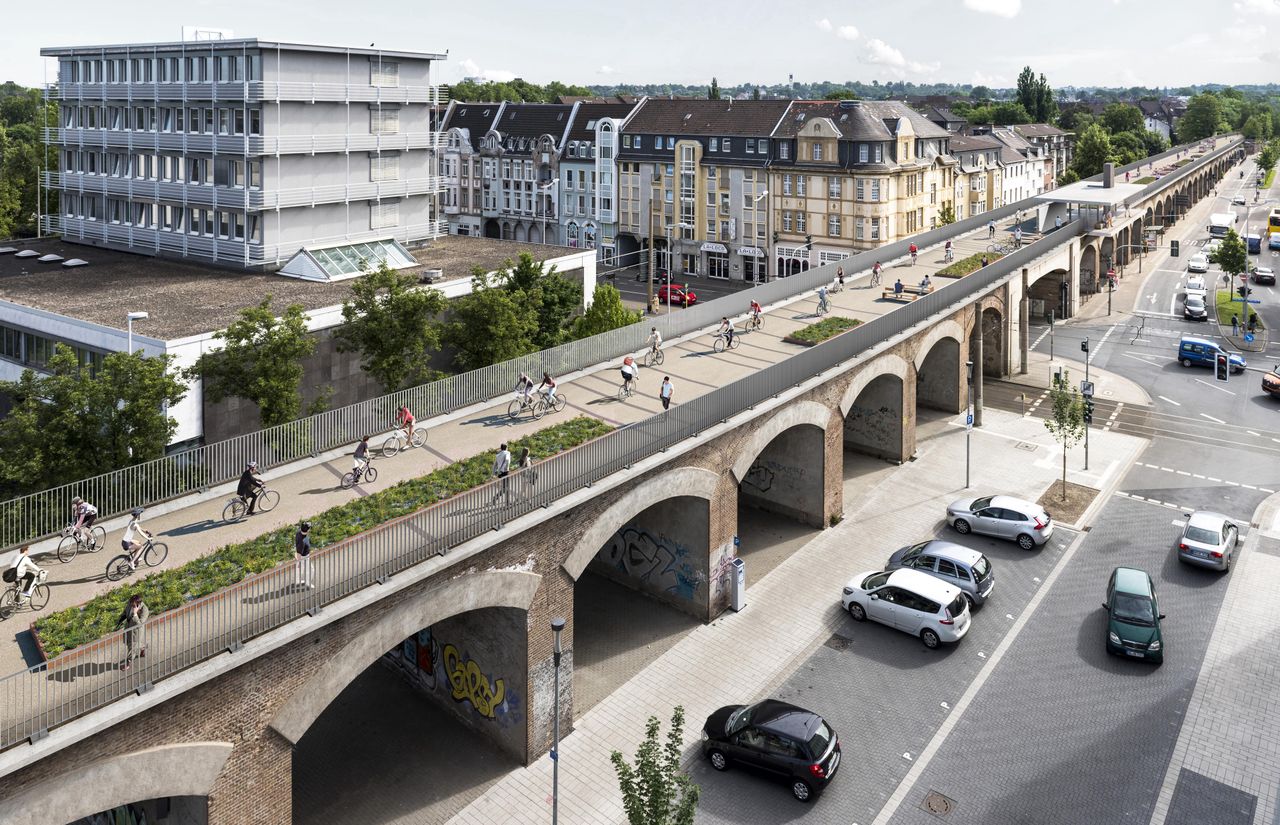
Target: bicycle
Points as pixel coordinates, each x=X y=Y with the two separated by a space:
x=875 y=278
x=396 y=441
x=38 y=601
x=73 y=541
x=543 y=406
x=654 y=357
x=627 y=389
x=835 y=287
x=354 y=477
x=722 y=342
x=152 y=554
x=999 y=249
x=238 y=507
x=823 y=308
x=755 y=322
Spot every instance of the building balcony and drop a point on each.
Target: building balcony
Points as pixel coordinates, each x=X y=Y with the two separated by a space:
x=253 y=145
x=223 y=197
x=251 y=92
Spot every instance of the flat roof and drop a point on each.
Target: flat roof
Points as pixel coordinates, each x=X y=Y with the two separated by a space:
x=234 y=43
x=187 y=298
x=1092 y=193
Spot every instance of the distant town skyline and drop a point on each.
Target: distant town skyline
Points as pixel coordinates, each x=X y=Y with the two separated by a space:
x=1115 y=43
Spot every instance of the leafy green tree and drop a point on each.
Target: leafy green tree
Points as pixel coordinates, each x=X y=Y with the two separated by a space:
x=655 y=791
x=1027 y=90
x=1068 y=177
x=840 y=94
x=260 y=360
x=1231 y=255
x=1093 y=148
x=605 y=313
x=1122 y=117
x=1202 y=118
x=980 y=94
x=553 y=297
x=1008 y=113
x=947 y=214
x=489 y=325
x=392 y=324
x=1046 y=106
x=1153 y=142
x=1128 y=147
x=755 y=93
x=1066 y=419
x=76 y=422
x=1257 y=127
x=713 y=93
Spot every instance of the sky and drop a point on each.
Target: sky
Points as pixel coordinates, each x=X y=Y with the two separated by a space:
x=1073 y=42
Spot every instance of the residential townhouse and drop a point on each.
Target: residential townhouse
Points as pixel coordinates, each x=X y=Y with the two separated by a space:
x=464 y=126
x=1024 y=162
x=979 y=164
x=588 y=178
x=1157 y=117
x=1057 y=145
x=947 y=119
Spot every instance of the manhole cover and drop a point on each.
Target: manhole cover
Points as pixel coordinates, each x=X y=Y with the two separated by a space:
x=1022 y=445
x=937 y=804
x=838 y=642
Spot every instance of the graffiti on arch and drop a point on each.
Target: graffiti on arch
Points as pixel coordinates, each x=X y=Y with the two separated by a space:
x=765 y=473
x=655 y=559
x=443 y=667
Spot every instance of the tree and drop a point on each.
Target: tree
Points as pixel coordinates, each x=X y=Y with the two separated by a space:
x=1066 y=419
x=755 y=93
x=713 y=93
x=490 y=325
x=605 y=313
x=1068 y=177
x=553 y=297
x=1093 y=148
x=1257 y=127
x=260 y=360
x=1202 y=118
x=1046 y=106
x=947 y=214
x=655 y=791
x=1128 y=147
x=979 y=94
x=1007 y=113
x=392 y=324
x=76 y=422
x=1122 y=117
x=1154 y=143
x=1231 y=255
x=840 y=94
x=1028 y=92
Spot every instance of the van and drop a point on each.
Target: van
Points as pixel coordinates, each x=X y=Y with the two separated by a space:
x=1255 y=244
x=1204 y=353
x=1133 y=616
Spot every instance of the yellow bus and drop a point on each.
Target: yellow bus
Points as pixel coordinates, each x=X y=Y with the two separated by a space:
x=1273 y=229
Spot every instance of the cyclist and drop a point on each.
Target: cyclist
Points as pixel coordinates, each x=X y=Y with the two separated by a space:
x=822 y=299
x=84 y=513
x=875 y=273
x=628 y=372
x=726 y=329
x=251 y=485
x=405 y=419
x=128 y=542
x=524 y=386
x=839 y=285
x=25 y=571
x=755 y=312
x=912 y=249
x=360 y=458
x=948 y=253
x=654 y=340
x=548 y=388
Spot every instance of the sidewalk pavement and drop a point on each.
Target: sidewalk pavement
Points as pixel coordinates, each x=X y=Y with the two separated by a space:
x=1231 y=731
x=1107 y=384
x=745 y=656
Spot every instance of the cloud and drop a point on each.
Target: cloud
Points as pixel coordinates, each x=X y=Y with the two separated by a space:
x=606 y=70
x=880 y=53
x=470 y=68
x=842 y=32
x=1247 y=7
x=1269 y=57
x=998 y=81
x=1001 y=8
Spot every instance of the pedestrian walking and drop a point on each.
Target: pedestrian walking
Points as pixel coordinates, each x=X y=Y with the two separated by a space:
x=985 y=261
x=501 y=469
x=1057 y=222
x=1235 y=324
x=302 y=552
x=131 y=622
x=991 y=228
x=525 y=466
x=664 y=392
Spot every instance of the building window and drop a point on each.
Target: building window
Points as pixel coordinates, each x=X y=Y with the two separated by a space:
x=786 y=184
x=671 y=142
x=715 y=145
x=657 y=141
x=862 y=153
x=751 y=146
x=875 y=189
x=833 y=187
x=857 y=229
x=784 y=151
x=762 y=146
x=384 y=120
x=802 y=221
x=875 y=229
x=384 y=214
x=879 y=153
x=817 y=150
x=801 y=185
x=717 y=265
x=786 y=221
x=833 y=225
x=383 y=73
x=726 y=145
x=384 y=166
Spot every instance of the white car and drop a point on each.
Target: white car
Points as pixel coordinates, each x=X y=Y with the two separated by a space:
x=1211 y=245
x=1239 y=200
x=1196 y=287
x=912 y=601
x=1198 y=262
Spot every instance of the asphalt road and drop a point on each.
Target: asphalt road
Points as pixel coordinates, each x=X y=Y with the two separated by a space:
x=635 y=293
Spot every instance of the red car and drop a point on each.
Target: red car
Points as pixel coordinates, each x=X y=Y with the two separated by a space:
x=682 y=296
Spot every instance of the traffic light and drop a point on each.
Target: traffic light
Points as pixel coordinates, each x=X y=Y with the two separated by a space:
x=1173 y=249
x=1088 y=411
x=1222 y=366
x=1084 y=345
x=1244 y=291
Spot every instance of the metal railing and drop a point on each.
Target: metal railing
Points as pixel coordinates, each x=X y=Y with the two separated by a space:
x=250 y=91
x=84 y=679
x=156 y=141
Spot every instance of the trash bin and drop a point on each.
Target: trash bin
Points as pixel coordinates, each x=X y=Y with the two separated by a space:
x=738 y=584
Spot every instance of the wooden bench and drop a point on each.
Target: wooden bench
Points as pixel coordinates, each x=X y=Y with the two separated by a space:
x=908 y=293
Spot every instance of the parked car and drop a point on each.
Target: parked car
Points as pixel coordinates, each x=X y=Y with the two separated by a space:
x=1133 y=616
x=954 y=564
x=1264 y=275
x=1193 y=308
x=678 y=295
x=1209 y=540
x=1271 y=382
x=1196 y=286
x=1239 y=200
x=1198 y=262
x=788 y=742
x=1004 y=517
x=911 y=601
x=1204 y=353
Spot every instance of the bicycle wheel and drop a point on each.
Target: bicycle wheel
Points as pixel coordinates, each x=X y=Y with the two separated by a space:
x=67 y=549
x=268 y=500
x=391 y=446
x=119 y=568
x=539 y=408
x=40 y=597
x=514 y=408
x=8 y=602
x=560 y=402
x=737 y=342
x=659 y=358
x=234 y=511
x=419 y=437
x=97 y=539
x=156 y=554
x=623 y=394
x=718 y=346
x=348 y=480
x=370 y=474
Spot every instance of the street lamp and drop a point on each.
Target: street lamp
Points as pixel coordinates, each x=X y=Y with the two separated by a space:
x=134 y=316
x=542 y=203
x=768 y=213
x=557 y=625
x=968 y=423
x=670 y=261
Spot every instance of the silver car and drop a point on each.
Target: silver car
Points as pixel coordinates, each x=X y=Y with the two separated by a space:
x=1209 y=540
x=958 y=566
x=1004 y=517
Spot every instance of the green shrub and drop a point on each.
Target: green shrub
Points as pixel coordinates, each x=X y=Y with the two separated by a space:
x=962 y=267
x=1145 y=180
x=224 y=567
x=828 y=327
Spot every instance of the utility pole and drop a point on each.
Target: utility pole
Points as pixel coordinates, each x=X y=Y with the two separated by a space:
x=653 y=252
x=968 y=426
x=1084 y=347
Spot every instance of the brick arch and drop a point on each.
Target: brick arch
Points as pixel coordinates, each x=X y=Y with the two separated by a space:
x=186 y=769
x=888 y=364
x=695 y=482
x=949 y=328
x=793 y=415
x=471 y=591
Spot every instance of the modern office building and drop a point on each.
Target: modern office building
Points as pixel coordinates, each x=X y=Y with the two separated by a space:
x=243 y=152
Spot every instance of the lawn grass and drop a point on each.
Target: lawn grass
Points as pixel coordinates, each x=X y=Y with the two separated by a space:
x=828 y=327
x=1146 y=179
x=224 y=567
x=1226 y=308
x=1271 y=176
x=962 y=267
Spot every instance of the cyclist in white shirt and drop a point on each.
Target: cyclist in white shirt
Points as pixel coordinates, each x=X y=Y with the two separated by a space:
x=654 y=340
x=84 y=513
x=726 y=329
x=524 y=386
x=131 y=542
x=25 y=572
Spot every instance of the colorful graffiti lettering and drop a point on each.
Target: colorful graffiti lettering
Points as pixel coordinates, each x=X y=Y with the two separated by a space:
x=471 y=685
x=656 y=560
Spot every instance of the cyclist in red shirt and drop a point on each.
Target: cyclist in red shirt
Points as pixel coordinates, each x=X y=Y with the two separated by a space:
x=405 y=419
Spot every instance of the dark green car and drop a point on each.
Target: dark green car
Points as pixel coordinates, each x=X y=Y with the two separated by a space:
x=1133 y=616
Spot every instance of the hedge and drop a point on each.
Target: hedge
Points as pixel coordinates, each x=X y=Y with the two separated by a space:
x=224 y=567
x=828 y=327
x=962 y=267
x=1145 y=180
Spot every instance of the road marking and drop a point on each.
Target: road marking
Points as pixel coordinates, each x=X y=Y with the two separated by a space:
x=1248 y=486
x=1217 y=480
x=1183 y=473
x=1251 y=432
x=1211 y=386
x=1142 y=358
x=944 y=730
x=1041 y=338
x=1197 y=475
x=1170 y=400
x=1095 y=350
x=1211 y=418
x=1177 y=523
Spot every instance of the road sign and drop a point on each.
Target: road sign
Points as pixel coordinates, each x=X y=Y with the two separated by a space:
x=1248 y=337
x=968 y=421
x=1086 y=389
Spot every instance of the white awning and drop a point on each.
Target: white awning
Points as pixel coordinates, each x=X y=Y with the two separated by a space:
x=751 y=252
x=708 y=246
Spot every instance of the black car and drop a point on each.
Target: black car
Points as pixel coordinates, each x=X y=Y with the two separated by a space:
x=1194 y=309
x=776 y=738
x=1264 y=275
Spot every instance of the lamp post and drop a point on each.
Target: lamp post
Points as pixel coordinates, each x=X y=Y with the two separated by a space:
x=671 y=257
x=767 y=213
x=557 y=625
x=542 y=202
x=968 y=425
x=134 y=316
